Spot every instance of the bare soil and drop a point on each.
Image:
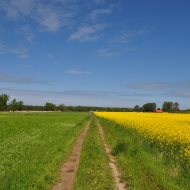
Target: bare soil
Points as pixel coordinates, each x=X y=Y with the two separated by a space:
x=69 y=168
x=119 y=184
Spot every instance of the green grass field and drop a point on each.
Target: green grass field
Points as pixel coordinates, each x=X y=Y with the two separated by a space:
x=144 y=166
x=33 y=146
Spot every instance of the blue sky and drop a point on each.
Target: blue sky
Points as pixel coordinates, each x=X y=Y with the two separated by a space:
x=95 y=52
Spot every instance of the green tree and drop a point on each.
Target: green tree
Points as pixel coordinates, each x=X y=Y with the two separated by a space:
x=175 y=107
x=50 y=106
x=4 y=98
x=16 y=105
x=149 y=107
x=61 y=107
x=20 y=105
x=167 y=106
x=13 y=105
x=137 y=108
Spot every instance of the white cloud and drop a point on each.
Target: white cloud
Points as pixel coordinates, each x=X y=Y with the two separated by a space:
x=48 y=15
x=88 y=32
x=120 y=43
x=78 y=72
x=16 y=8
x=18 y=51
x=48 y=18
x=99 y=12
x=173 y=91
x=125 y=37
x=114 y=51
x=56 y=14
x=108 y=52
x=10 y=78
x=27 y=33
x=182 y=86
x=149 y=86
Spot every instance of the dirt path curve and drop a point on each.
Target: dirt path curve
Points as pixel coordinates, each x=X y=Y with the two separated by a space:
x=120 y=185
x=69 y=168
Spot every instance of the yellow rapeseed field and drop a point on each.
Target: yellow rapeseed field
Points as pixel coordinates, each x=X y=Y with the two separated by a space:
x=164 y=128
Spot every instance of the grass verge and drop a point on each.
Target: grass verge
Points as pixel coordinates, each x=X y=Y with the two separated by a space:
x=144 y=165
x=94 y=172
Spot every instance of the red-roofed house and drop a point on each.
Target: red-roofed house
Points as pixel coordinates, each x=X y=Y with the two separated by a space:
x=159 y=111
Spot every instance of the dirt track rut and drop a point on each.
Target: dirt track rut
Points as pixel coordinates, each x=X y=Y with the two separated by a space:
x=69 y=168
x=120 y=185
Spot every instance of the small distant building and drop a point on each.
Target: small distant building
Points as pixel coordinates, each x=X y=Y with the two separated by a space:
x=159 y=111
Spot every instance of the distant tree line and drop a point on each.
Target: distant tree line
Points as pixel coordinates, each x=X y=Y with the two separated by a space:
x=151 y=107
x=15 y=105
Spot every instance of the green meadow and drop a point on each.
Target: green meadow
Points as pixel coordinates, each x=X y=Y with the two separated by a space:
x=33 y=147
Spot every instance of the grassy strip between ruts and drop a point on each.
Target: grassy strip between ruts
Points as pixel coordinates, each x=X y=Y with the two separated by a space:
x=94 y=172
x=143 y=165
x=33 y=146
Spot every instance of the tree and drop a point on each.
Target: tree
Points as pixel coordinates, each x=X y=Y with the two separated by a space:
x=50 y=106
x=4 y=98
x=20 y=105
x=61 y=107
x=149 y=107
x=13 y=105
x=175 y=107
x=167 y=106
x=137 y=108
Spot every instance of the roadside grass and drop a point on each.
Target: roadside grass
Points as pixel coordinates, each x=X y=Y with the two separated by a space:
x=33 y=147
x=94 y=172
x=143 y=164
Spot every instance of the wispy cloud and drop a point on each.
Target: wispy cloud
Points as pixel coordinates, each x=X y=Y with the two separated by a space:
x=48 y=18
x=184 y=93
x=180 y=89
x=125 y=37
x=95 y=14
x=48 y=15
x=88 y=33
x=9 y=78
x=119 y=44
x=16 y=8
x=78 y=72
x=57 y=14
x=149 y=86
x=108 y=52
x=18 y=51
x=27 y=33
x=114 y=51
x=160 y=85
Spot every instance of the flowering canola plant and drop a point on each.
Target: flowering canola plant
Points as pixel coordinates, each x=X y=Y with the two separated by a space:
x=165 y=128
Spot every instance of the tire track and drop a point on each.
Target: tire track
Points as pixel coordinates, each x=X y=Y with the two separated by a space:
x=120 y=185
x=69 y=168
